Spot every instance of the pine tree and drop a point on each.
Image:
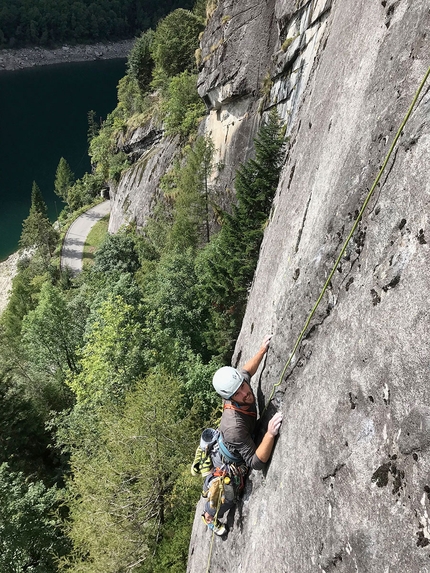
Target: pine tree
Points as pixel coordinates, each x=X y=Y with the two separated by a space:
x=175 y=42
x=192 y=197
x=64 y=179
x=255 y=185
x=38 y=205
x=226 y=267
x=37 y=231
x=140 y=63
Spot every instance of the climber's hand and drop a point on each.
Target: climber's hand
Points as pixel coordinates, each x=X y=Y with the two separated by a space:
x=274 y=424
x=266 y=342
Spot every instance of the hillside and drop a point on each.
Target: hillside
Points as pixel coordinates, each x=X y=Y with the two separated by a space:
x=229 y=208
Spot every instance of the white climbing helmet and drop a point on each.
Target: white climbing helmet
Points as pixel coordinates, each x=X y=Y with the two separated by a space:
x=226 y=381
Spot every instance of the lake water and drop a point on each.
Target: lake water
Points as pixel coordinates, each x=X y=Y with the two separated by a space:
x=43 y=117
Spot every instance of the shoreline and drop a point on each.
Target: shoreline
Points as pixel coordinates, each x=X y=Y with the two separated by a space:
x=13 y=60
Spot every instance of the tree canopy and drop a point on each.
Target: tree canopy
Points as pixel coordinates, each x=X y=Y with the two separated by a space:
x=51 y=22
x=64 y=179
x=175 y=41
x=107 y=375
x=30 y=535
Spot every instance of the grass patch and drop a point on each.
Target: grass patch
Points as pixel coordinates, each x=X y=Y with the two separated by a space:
x=288 y=43
x=94 y=240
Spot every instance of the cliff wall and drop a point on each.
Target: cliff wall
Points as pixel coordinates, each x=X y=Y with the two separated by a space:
x=231 y=89
x=348 y=486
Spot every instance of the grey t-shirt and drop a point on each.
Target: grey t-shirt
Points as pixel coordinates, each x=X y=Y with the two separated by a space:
x=237 y=429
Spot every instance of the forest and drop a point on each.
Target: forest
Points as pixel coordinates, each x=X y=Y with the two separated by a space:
x=107 y=376
x=52 y=22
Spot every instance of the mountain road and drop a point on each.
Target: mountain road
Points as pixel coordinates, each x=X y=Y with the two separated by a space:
x=74 y=241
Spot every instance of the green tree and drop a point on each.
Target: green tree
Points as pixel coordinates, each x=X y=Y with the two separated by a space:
x=84 y=190
x=30 y=535
x=24 y=441
x=50 y=21
x=140 y=62
x=183 y=107
x=38 y=205
x=226 y=267
x=52 y=333
x=191 y=191
x=172 y=309
x=175 y=41
x=113 y=356
x=64 y=179
x=26 y=286
x=122 y=499
x=117 y=254
x=37 y=231
x=199 y=9
x=130 y=98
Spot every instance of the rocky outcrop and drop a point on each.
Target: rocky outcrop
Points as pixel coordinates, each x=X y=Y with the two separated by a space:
x=348 y=485
x=233 y=111
x=137 y=192
x=231 y=81
x=8 y=269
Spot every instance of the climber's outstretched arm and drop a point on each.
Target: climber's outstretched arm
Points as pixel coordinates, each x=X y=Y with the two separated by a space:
x=252 y=364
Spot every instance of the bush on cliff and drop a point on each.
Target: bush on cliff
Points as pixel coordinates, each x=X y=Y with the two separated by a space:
x=175 y=41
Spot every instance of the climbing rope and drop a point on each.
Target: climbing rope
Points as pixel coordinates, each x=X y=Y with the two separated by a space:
x=354 y=227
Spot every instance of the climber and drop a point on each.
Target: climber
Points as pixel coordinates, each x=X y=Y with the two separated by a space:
x=236 y=443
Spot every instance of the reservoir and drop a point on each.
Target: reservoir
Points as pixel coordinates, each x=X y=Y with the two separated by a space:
x=43 y=117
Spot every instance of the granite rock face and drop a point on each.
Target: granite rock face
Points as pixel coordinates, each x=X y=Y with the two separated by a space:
x=134 y=197
x=232 y=76
x=348 y=486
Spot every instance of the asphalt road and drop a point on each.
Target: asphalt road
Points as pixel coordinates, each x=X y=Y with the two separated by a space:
x=73 y=245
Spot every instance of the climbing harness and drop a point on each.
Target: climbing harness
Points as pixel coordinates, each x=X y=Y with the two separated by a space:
x=354 y=227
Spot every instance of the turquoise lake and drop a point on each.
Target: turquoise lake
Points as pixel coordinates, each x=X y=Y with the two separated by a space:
x=43 y=117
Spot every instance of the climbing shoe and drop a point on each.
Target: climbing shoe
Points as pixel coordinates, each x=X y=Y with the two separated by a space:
x=216 y=526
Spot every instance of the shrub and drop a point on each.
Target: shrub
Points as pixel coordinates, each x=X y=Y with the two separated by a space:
x=117 y=253
x=183 y=107
x=175 y=41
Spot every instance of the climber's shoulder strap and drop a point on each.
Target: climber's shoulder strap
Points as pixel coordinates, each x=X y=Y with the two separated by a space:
x=230 y=405
x=226 y=454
